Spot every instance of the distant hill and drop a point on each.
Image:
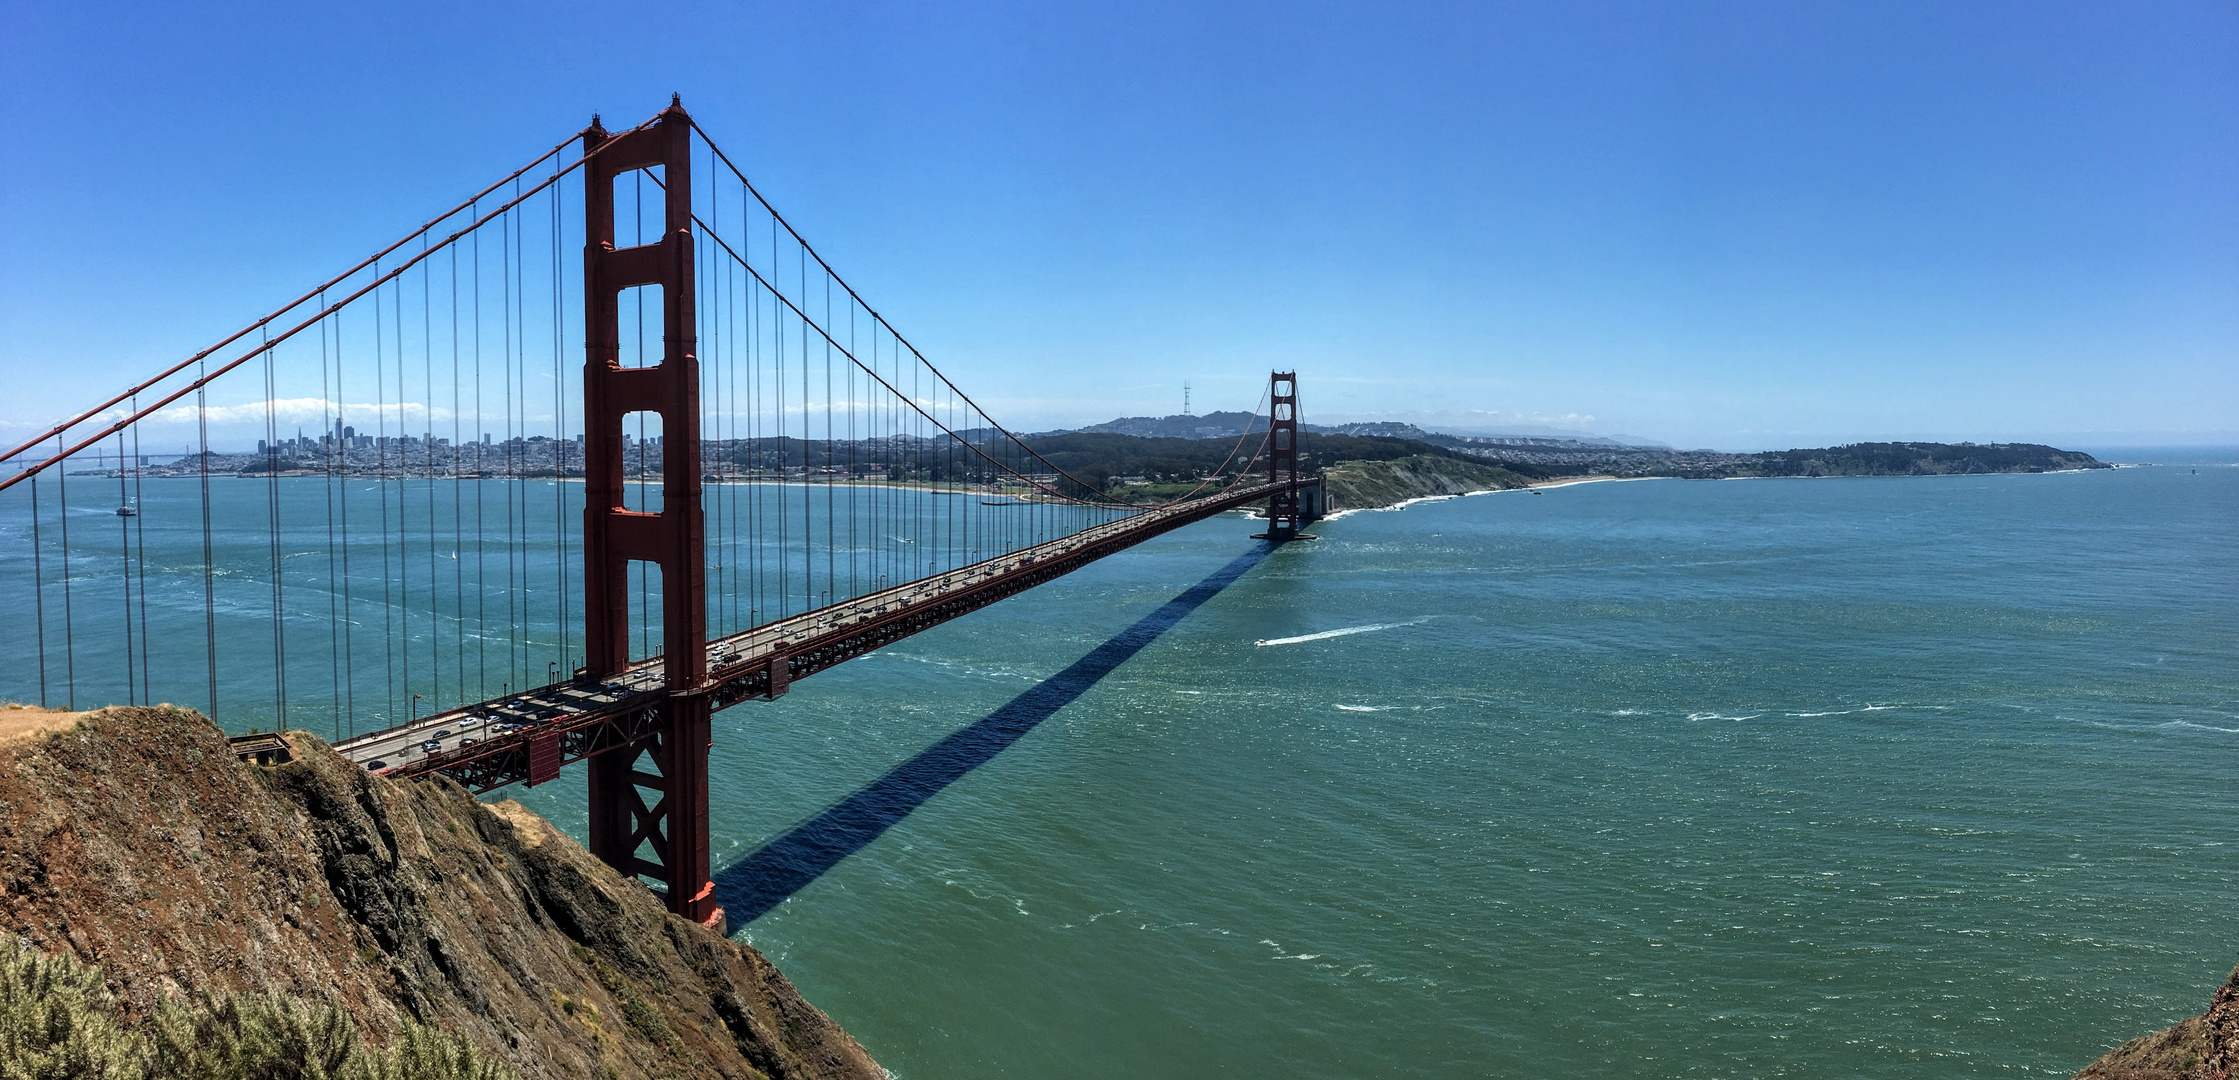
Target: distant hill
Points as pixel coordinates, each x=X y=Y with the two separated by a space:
x=1153 y=457
x=1919 y=459
x=1212 y=425
x=1107 y=460
x=1371 y=482
x=1228 y=425
x=1394 y=430
x=1409 y=462
x=1551 y=459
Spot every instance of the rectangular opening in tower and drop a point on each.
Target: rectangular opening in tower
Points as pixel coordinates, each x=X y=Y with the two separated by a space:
x=642 y=447
x=643 y=601
x=638 y=325
x=640 y=206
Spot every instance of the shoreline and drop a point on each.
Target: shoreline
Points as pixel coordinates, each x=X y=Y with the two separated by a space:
x=1572 y=481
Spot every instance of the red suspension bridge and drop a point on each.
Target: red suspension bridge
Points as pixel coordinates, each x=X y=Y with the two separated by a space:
x=469 y=553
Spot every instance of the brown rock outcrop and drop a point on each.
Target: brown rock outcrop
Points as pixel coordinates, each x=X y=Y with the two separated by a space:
x=133 y=839
x=2204 y=1047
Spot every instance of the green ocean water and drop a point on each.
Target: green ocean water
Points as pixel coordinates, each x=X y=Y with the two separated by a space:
x=1921 y=777
x=1917 y=777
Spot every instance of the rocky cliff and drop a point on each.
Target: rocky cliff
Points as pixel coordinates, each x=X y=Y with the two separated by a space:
x=132 y=839
x=2204 y=1047
x=1359 y=485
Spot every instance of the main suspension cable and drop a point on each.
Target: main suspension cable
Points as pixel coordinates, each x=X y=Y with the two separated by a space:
x=140 y=414
x=299 y=301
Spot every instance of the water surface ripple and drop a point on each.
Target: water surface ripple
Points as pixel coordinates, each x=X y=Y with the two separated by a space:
x=1862 y=777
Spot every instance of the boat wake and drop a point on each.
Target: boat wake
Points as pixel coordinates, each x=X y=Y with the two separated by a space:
x=1341 y=632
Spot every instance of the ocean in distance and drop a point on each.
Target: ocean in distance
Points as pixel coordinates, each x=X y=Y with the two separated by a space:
x=1858 y=777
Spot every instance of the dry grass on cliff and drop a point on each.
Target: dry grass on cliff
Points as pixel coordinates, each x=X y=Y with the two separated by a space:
x=18 y=722
x=2204 y=1047
x=1361 y=485
x=133 y=841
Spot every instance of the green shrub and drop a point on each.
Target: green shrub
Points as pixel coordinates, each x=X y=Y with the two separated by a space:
x=58 y=1022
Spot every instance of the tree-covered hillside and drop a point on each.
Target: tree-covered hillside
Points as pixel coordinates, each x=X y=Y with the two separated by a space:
x=1097 y=457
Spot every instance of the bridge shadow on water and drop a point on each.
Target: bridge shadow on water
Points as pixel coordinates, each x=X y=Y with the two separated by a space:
x=749 y=888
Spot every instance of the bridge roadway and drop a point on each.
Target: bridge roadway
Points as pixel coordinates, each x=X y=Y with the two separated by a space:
x=527 y=736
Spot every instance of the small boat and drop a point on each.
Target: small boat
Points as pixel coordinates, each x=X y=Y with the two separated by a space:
x=1002 y=502
x=127 y=511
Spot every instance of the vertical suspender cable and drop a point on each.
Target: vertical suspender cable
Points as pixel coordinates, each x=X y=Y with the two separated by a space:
x=403 y=517
x=209 y=571
x=560 y=382
x=39 y=591
x=780 y=376
x=481 y=582
x=428 y=469
x=458 y=491
x=330 y=441
x=349 y=617
x=381 y=457
x=831 y=515
x=708 y=331
x=124 y=556
x=846 y=469
x=273 y=543
x=525 y=640
x=757 y=519
x=140 y=544
x=69 y=628
x=559 y=485
x=808 y=519
x=512 y=535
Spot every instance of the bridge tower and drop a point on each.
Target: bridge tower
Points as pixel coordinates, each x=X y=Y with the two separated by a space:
x=662 y=811
x=1283 y=515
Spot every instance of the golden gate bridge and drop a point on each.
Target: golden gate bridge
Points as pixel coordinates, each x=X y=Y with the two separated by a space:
x=485 y=558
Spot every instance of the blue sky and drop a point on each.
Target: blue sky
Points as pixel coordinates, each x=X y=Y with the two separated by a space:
x=1738 y=225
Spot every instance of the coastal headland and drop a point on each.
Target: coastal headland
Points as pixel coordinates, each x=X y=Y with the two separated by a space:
x=1473 y=466
x=208 y=893
x=2204 y=1047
